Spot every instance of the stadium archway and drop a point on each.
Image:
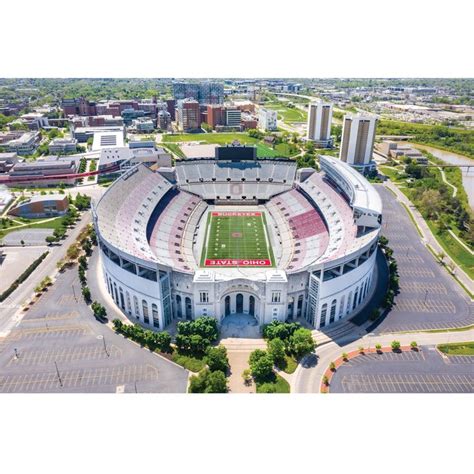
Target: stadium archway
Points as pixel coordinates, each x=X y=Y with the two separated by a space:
x=239 y=314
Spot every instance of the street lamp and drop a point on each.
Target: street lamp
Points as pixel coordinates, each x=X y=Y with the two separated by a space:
x=58 y=374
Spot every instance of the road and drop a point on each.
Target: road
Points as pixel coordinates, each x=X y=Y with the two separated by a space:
x=10 y=309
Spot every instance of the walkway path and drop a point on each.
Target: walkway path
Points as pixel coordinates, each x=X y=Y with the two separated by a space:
x=428 y=238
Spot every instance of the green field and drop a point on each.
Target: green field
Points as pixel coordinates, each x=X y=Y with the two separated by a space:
x=287 y=114
x=234 y=240
x=263 y=151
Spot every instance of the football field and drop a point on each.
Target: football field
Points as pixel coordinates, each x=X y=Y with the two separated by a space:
x=236 y=239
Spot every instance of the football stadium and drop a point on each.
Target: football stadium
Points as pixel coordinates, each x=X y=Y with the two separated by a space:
x=235 y=235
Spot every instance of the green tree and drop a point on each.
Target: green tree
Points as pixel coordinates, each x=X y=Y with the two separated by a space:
x=262 y=368
x=302 y=343
x=99 y=311
x=276 y=349
x=216 y=382
x=216 y=359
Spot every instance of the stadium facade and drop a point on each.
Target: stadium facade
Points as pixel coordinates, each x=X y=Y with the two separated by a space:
x=170 y=249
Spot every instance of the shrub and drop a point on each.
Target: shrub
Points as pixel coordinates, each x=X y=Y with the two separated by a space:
x=332 y=366
x=396 y=345
x=247 y=376
x=99 y=311
x=86 y=293
x=325 y=380
x=414 y=345
x=344 y=356
x=267 y=388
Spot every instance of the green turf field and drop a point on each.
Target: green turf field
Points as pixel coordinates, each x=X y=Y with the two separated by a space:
x=236 y=239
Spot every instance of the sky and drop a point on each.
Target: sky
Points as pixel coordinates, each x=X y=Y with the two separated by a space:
x=248 y=38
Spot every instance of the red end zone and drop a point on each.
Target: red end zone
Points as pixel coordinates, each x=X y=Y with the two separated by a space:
x=236 y=214
x=232 y=262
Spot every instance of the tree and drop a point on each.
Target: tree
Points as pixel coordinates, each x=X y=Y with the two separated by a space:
x=302 y=343
x=72 y=252
x=216 y=359
x=50 y=239
x=431 y=203
x=332 y=366
x=378 y=347
x=256 y=355
x=267 y=388
x=276 y=349
x=216 y=382
x=414 y=345
x=22 y=242
x=208 y=382
x=262 y=368
x=247 y=376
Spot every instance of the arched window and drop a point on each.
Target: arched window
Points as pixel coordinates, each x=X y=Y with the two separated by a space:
x=322 y=318
x=299 y=308
x=341 y=306
x=332 y=314
x=137 y=308
x=179 y=308
x=129 y=306
x=356 y=294
x=348 y=309
x=188 y=308
x=154 y=314
x=116 y=294
x=146 y=317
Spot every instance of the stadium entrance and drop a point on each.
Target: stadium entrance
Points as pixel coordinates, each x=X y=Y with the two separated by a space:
x=239 y=315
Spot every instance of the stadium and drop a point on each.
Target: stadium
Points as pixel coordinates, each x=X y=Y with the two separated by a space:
x=239 y=236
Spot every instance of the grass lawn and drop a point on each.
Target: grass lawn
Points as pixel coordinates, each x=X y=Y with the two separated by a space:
x=452 y=248
x=174 y=148
x=390 y=172
x=190 y=363
x=51 y=224
x=290 y=365
x=263 y=151
x=457 y=348
x=280 y=385
x=288 y=114
x=237 y=236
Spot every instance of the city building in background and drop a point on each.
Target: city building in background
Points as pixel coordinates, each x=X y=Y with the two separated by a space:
x=63 y=145
x=203 y=92
x=188 y=115
x=267 y=119
x=319 y=124
x=358 y=136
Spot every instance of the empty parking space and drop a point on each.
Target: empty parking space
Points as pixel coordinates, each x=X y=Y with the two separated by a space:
x=70 y=379
x=423 y=287
x=98 y=351
x=27 y=237
x=425 y=371
x=422 y=306
x=408 y=383
x=90 y=357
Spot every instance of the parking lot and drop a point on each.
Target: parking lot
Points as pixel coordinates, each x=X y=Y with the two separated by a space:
x=426 y=371
x=15 y=262
x=28 y=236
x=429 y=298
x=59 y=347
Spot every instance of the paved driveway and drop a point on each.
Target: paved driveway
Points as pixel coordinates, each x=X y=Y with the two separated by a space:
x=62 y=348
x=428 y=298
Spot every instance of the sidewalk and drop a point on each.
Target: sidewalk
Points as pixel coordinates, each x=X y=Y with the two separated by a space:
x=428 y=237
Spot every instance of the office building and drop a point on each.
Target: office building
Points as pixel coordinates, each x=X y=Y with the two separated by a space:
x=47 y=171
x=26 y=144
x=78 y=106
x=358 y=136
x=233 y=117
x=188 y=115
x=7 y=161
x=319 y=124
x=267 y=119
x=203 y=92
x=163 y=120
x=171 y=107
x=63 y=145
x=215 y=115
